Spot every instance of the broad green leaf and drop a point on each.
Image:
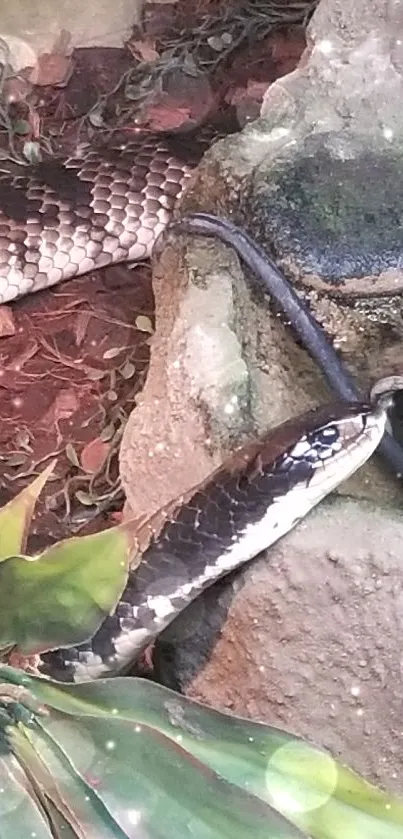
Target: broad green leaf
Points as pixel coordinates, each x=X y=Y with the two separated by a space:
x=17 y=805
x=62 y=596
x=318 y=794
x=109 y=779
x=152 y=787
x=16 y=516
x=70 y=802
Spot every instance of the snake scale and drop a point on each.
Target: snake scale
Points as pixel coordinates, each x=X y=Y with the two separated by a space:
x=62 y=218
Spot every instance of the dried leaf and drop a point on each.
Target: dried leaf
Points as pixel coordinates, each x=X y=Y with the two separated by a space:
x=96 y=116
x=166 y=118
x=190 y=67
x=215 y=42
x=112 y=352
x=17 y=459
x=143 y=323
x=96 y=375
x=107 y=433
x=64 y=405
x=72 y=455
x=144 y=50
x=35 y=124
x=15 y=89
x=112 y=379
x=84 y=498
x=81 y=326
x=94 y=454
x=134 y=92
x=128 y=370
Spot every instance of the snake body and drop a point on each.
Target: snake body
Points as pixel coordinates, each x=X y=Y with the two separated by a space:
x=249 y=503
x=61 y=219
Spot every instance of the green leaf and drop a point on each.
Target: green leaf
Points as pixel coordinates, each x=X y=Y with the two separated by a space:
x=110 y=778
x=17 y=806
x=150 y=786
x=69 y=801
x=61 y=597
x=315 y=792
x=16 y=516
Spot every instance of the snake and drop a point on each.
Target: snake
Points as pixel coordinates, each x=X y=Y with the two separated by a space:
x=62 y=218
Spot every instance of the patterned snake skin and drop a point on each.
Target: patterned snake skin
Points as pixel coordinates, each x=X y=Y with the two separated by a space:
x=61 y=219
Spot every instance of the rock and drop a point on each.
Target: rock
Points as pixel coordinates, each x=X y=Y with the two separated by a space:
x=33 y=28
x=196 y=359
x=316 y=180
x=312 y=638
x=220 y=370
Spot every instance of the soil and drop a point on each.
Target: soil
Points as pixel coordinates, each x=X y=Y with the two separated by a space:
x=69 y=376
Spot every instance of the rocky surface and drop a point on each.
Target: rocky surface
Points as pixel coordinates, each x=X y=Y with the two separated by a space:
x=31 y=28
x=220 y=370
